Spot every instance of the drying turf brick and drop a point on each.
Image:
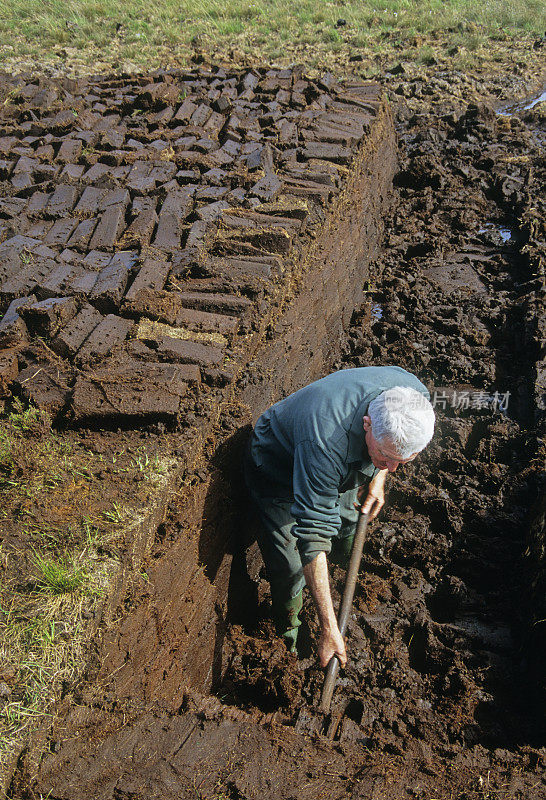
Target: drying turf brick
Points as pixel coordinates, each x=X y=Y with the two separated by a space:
x=200 y=115
x=288 y=132
x=222 y=104
x=82 y=234
x=152 y=303
x=109 y=228
x=13 y=330
x=71 y=338
x=7 y=143
x=10 y=264
x=62 y=201
x=141 y=228
x=110 y=333
x=174 y=210
x=218 y=303
x=328 y=152
x=47 y=317
x=60 y=232
x=58 y=124
x=73 y=172
x=163 y=172
x=259 y=158
x=212 y=211
x=309 y=189
x=156 y=95
x=45 y=153
x=117 y=197
x=140 y=180
x=97 y=260
x=189 y=352
x=152 y=275
x=214 y=124
x=37 y=203
x=56 y=282
x=12 y=206
x=96 y=172
x=246 y=219
x=268 y=240
x=25 y=166
x=82 y=281
x=113 y=138
x=186 y=110
x=110 y=286
x=128 y=258
x=70 y=150
x=211 y=193
x=44 y=385
x=197 y=235
x=89 y=202
x=28 y=279
x=132 y=390
x=40 y=228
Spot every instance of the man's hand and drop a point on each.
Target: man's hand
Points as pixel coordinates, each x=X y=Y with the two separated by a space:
x=330 y=644
x=375 y=499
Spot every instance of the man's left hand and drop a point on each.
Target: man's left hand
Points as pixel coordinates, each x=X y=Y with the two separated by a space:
x=375 y=499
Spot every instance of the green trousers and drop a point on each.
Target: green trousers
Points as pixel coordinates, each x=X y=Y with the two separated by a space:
x=281 y=556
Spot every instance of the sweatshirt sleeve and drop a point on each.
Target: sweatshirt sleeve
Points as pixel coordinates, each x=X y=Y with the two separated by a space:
x=317 y=477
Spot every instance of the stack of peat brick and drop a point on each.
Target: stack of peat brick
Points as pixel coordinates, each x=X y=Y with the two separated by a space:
x=145 y=221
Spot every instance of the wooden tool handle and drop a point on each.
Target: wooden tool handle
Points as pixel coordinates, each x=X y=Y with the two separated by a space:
x=346 y=604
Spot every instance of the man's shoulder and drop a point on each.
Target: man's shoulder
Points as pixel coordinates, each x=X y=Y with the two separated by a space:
x=369 y=377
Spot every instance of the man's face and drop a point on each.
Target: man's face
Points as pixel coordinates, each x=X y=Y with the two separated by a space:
x=383 y=456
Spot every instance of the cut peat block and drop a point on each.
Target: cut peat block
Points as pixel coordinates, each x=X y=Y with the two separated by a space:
x=129 y=390
x=226 y=186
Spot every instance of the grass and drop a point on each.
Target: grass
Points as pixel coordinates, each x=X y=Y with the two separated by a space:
x=61 y=527
x=44 y=632
x=58 y=577
x=141 y=32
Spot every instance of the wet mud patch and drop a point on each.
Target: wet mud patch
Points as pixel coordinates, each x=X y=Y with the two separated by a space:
x=260 y=672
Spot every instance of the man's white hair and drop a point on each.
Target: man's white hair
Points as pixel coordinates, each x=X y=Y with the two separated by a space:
x=402 y=418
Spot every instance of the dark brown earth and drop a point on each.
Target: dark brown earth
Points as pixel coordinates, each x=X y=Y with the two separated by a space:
x=443 y=693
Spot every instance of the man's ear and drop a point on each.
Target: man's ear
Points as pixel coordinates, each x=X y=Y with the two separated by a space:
x=367 y=422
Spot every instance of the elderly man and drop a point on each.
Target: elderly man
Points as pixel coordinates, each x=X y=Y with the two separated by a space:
x=310 y=458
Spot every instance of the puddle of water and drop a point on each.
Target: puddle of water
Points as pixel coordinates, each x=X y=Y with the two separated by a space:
x=540 y=99
x=504 y=233
x=377 y=311
x=522 y=105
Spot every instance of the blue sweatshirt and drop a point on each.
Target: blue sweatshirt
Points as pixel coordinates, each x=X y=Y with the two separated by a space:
x=311 y=445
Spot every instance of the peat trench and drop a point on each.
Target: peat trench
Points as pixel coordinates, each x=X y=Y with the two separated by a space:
x=442 y=693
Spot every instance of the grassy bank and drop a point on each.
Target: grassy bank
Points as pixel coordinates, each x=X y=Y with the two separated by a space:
x=63 y=511
x=144 y=33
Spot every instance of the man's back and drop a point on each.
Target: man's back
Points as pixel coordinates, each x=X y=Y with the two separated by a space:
x=329 y=412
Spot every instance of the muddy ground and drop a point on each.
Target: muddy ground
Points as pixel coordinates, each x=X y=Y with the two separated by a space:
x=441 y=697
x=440 y=666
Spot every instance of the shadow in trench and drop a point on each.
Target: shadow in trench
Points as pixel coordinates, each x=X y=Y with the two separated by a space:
x=227 y=544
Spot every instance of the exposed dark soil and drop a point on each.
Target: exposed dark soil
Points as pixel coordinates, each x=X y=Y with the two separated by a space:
x=441 y=697
x=439 y=664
